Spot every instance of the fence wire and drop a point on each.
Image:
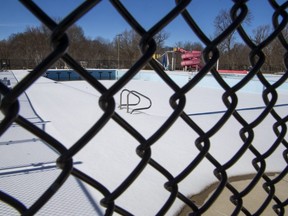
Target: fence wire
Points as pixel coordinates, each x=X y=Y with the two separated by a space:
x=59 y=39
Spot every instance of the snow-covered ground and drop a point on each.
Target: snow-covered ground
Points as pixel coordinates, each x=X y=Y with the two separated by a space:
x=71 y=108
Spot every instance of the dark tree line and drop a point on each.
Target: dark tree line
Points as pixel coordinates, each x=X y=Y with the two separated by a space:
x=29 y=48
x=235 y=55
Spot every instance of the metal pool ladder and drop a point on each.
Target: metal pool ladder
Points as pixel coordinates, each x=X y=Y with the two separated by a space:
x=137 y=95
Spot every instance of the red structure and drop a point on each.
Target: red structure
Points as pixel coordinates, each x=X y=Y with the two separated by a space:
x=190 y=58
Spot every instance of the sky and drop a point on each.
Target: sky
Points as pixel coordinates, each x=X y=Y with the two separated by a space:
x=105 y=22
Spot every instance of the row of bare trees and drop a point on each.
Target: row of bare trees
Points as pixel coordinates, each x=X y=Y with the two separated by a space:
x=29 y=48
x=235 y=55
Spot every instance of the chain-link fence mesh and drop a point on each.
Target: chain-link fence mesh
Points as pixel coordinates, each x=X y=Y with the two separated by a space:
x=144 y=150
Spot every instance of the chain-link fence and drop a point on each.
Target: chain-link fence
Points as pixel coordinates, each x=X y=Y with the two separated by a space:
x=63 y=158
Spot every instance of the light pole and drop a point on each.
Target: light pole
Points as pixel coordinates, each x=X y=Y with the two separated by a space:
x=118 y=48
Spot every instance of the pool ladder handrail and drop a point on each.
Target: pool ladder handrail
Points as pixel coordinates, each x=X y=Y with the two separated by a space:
x=138 y=95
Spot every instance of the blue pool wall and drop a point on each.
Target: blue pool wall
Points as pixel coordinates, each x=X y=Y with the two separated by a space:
x=67 y=74
x=180 y=77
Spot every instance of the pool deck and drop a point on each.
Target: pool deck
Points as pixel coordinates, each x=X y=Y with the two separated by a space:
x=222 y=206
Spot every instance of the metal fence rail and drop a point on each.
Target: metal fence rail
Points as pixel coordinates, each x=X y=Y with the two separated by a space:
x=10 y=110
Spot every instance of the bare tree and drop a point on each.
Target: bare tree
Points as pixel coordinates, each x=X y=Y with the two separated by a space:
x=160 y=39
x=30 y=47
x=4 y=49
x=221 y=23
x=274 y=51
x=261 y=33
x=189 y=45
x=127 y=46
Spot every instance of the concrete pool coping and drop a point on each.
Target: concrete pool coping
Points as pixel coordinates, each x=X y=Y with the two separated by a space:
x=223 y=205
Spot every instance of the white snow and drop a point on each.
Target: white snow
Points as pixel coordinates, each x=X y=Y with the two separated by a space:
x=71 y=108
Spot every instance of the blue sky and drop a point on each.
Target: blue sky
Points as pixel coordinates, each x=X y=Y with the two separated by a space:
x=104 y=21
